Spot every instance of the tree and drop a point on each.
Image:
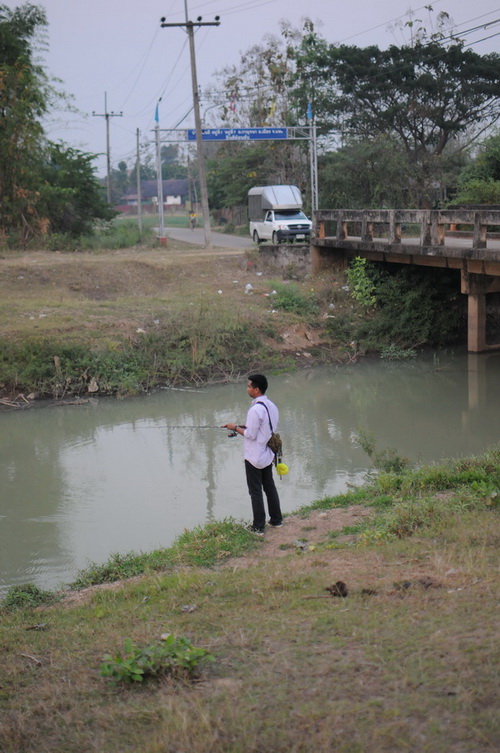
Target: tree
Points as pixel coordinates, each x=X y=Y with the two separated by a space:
x=479 y=181
x=171 y=167
x=119 y=182
x=366 y=174
x=71 y=198
x=432 y=98
x=254 y=93
x=24 y=100
x=43 y=186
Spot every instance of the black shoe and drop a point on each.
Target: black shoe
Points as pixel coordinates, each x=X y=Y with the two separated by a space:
x=258 y=531
x=276 y=525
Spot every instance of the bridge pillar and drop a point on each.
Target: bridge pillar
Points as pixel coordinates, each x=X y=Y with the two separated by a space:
x=476 y=287
x=476 y=333
x=322 y=258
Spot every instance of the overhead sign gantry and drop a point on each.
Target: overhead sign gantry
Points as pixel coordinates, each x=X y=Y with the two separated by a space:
x=265 y=133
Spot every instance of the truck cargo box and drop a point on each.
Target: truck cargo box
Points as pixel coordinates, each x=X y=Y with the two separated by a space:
x=262 y=198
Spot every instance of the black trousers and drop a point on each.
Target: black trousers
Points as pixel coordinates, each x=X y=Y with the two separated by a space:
x=258 y=480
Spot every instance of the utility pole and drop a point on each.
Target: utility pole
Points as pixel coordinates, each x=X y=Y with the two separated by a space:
x=189 y=26
x=107 y=115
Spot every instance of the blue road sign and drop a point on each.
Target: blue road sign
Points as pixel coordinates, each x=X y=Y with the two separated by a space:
x=238 y=134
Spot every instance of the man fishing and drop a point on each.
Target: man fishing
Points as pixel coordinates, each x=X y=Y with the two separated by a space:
x=262 y=420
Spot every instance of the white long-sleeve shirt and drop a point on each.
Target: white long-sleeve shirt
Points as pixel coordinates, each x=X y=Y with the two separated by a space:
x=258 y=432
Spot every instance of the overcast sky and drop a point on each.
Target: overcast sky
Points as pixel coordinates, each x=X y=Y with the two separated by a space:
x=118 y=47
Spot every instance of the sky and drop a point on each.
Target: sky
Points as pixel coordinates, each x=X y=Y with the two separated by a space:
x=118 y=50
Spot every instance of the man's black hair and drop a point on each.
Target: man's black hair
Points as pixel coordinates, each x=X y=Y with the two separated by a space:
x=259 y=381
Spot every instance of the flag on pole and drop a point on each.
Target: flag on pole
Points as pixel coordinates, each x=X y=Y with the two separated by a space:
x=157 y=115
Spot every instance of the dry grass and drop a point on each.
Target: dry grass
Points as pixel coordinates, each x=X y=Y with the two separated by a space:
x=389 y=668
x=115 y=293
x=53 y=293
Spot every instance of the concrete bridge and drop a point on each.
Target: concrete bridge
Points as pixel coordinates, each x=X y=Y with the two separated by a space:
x=430 y=238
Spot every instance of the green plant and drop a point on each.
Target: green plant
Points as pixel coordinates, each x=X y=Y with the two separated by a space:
x=289 y=298
x=395 y=353
x=26 y=595
x=205 y=546
x=120 y=566
x=479 y=191
x=489 y=490
x=172 y=655
x=362 y=288
x=196 y=343
x=341 y=327
x=375 y=536
x=386 y=460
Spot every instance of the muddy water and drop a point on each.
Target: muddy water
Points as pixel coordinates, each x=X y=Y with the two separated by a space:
x=79 y=483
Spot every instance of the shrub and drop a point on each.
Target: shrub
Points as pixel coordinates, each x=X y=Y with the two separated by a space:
x=172 y=655
x=361 y=285
x=289 y=298
x=26 y=595
x=385 y=460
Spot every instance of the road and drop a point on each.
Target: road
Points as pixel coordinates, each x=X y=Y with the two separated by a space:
x=197 y=236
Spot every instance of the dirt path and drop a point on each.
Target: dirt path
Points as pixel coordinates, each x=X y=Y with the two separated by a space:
x=302 y=534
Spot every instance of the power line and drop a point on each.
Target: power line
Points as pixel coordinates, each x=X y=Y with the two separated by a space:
x=470 y=31
x=146 y=57
x=484 y=39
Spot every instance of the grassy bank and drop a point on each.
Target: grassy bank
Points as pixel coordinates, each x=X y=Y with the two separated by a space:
x=125 y=321
x=405 y=661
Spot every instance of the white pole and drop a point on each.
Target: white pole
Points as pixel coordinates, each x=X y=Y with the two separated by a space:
x=138 y=176
x=313 y=155
x=160 y=183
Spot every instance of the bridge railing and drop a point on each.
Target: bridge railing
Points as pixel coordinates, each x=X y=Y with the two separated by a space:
x=433 y=225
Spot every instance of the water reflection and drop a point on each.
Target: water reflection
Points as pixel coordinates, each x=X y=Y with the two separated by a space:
x=77 y=483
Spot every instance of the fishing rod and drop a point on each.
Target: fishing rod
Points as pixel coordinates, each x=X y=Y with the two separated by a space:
x=190 y=426
x=183 y=426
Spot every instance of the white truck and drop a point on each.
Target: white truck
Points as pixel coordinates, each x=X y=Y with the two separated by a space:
x=275 y=214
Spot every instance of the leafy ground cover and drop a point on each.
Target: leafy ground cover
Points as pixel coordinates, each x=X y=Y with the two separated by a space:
x=366 y=623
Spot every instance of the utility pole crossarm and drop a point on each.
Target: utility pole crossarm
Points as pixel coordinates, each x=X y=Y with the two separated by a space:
x=192 y=23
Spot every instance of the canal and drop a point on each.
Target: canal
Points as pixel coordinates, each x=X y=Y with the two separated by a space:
x=80 y=483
